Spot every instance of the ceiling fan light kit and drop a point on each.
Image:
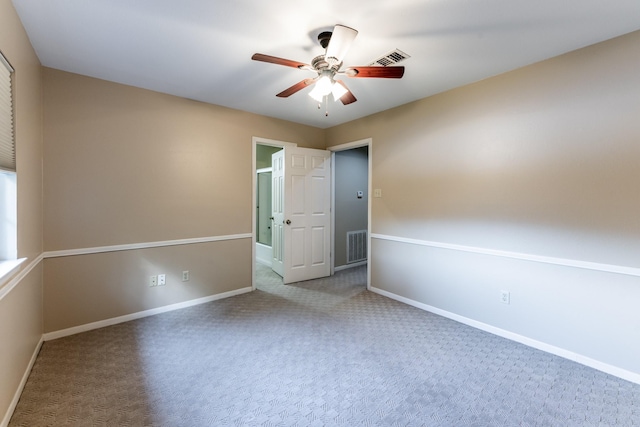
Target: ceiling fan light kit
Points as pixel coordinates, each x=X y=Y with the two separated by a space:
x=327 y=67
x=322 y=88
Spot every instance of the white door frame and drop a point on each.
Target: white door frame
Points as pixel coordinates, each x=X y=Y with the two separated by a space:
x=367 y=142
x=255 y=141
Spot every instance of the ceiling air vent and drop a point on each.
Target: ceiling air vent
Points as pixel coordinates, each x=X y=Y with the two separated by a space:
x=391 y=58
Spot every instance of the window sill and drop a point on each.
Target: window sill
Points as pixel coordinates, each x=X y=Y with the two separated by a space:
x=8 y=268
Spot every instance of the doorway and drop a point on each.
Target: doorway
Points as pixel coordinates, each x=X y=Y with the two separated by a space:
x=350 y=204
x=351 y=201
x=362 y=196
x=262 y=200
x=262 y=247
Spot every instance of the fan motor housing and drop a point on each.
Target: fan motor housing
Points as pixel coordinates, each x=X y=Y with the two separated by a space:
x=319 y=63
x=324 y=38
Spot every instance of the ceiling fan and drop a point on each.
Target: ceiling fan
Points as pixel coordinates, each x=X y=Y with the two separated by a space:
x=327 y=67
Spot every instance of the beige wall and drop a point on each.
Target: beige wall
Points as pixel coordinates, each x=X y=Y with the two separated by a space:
x=542 y=161
x=21 y=308
x=86 y=288
x=125 y=165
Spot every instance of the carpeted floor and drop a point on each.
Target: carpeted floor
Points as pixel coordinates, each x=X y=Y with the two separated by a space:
x=318 y=353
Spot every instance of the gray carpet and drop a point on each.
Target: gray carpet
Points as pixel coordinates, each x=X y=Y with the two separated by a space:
x=318 y=353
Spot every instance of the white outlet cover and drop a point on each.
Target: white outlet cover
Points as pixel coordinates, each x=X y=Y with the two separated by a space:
x=505 y=297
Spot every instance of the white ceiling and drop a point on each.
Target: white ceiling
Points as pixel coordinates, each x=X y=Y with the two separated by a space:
x=201 y=49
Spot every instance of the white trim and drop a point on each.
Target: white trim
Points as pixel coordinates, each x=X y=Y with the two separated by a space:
x=145 y=245
x=608 y=268
x=272 y=142
x=369 y=210
x=350 y=145
x=23 y=382
x=348 y=266
x=254 y=203
x=8 y=267
x=21 y=275
x=146 y=313
x=561 y=352
x=332 y=238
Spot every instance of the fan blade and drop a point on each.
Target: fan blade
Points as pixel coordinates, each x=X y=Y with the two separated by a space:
x=279 y=61
x=380 y=72
x=348 y=97
x=295 y=88
x=339 y=44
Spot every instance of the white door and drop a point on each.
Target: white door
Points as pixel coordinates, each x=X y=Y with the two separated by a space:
x=306 y=213
x=277 y=212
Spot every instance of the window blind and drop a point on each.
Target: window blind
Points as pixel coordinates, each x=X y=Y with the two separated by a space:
x=7 y=141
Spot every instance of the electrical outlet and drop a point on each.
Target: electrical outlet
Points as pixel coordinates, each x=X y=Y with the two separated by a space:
x=185 y=276
x=377 y=192
x=505 y=297
x=162 y=280
x=153 y=281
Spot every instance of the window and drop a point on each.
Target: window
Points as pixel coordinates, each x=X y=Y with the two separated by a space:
x=8 y=220
x=7 y=142
x=8 y=195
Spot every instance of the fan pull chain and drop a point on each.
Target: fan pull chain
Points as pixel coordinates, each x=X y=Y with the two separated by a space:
x=326 y=104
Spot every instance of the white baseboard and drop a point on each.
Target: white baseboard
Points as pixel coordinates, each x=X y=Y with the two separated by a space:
x=539 y=345
x=23 y=382
x=348 y=266
x=146 y=313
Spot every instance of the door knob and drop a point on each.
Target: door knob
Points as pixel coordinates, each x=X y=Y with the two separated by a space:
x=288 y=222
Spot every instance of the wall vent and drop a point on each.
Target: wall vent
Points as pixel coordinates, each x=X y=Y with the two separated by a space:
x=356 y=246
x=391 y=58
